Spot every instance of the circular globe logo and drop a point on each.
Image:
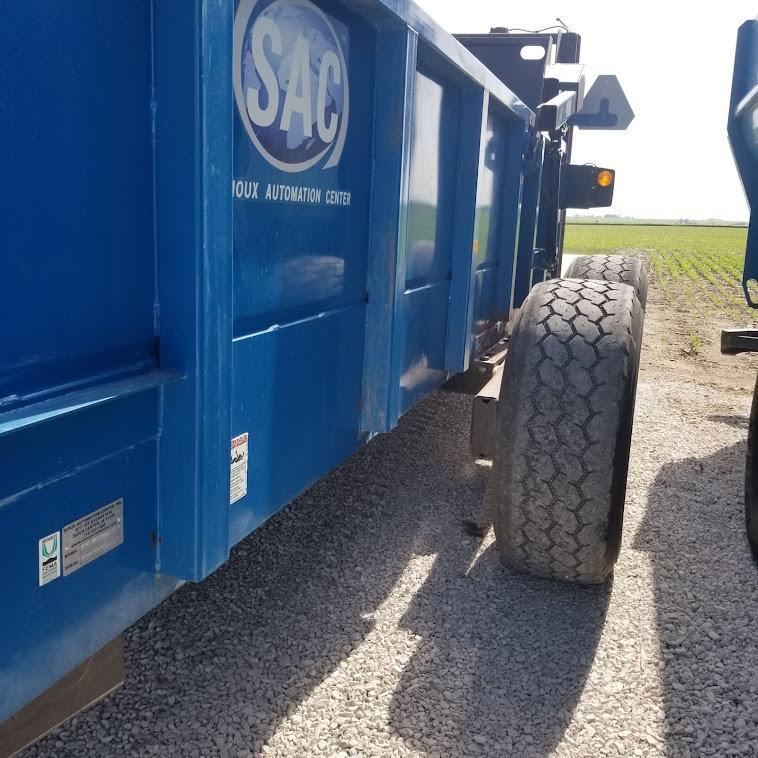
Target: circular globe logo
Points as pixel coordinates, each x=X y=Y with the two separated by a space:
x=290 y=83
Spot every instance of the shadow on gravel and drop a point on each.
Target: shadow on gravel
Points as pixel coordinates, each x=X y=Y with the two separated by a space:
x=502 y=662
x=738 y=422
x=216 y=668
x=706 y=595
x=501 y=658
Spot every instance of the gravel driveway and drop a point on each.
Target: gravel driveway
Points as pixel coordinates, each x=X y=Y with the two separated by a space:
x=368 y=619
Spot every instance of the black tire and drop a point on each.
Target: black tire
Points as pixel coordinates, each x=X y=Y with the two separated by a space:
x=751 y=477
x=611 y=268
x=564 y=429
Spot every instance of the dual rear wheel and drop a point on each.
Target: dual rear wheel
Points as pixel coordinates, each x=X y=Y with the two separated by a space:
x=565 y=419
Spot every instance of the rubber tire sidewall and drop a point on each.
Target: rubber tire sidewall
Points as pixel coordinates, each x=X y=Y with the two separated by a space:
x=751 y=476
x=513 y=437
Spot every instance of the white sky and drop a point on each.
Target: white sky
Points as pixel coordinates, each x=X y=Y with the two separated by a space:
x=674 y=59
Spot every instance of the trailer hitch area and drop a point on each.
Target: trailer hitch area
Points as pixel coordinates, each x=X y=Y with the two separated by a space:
x=734 y=341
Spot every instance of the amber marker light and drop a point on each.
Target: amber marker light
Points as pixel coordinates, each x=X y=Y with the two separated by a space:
x=604 y=178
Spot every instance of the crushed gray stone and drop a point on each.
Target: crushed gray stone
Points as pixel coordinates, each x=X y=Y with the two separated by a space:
x=364 y=620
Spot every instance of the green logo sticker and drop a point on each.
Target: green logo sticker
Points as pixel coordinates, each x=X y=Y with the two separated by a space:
x=50 y=546
x=49 y=559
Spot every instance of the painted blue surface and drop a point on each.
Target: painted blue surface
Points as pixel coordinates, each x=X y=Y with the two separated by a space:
x=497 y=218
x=53 y=475
x=429 y=239
x=396 y=52
x=532 y=175
x=474 y=106
x=487 y=224
x=73 y=212
x=159 y=305
x=193 y=227
x=743 y=136
x=297 y=392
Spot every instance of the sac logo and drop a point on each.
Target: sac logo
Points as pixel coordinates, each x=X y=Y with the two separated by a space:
x=290 y=83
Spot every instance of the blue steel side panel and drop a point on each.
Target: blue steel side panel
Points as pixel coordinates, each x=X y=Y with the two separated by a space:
x=129 y=243
x=194 y=242
x=434 y=154
x=396 y=51
x=522 y=280
x=296 y=393
x=429 y=246
x=498 y=220
x=51 y=477
x=79 y=293
x=315 y=260
x=300 y=263
x=743 y=135
x=488 y=249
x=512 y=185
x=424 y=341
x=76 y=231
x=471 y=142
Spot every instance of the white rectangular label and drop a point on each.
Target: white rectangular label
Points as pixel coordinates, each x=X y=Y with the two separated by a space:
x=49 y=553
x=238 y=488
x=92 y=535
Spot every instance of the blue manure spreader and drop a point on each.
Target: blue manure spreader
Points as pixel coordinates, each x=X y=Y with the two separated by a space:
x=743 y=137
x=240 y=239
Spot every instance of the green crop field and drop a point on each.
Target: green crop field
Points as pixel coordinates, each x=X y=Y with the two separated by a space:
x=690 y=265
x=695 y=273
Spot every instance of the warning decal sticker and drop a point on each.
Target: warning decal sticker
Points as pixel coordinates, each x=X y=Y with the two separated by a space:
x=238 y=485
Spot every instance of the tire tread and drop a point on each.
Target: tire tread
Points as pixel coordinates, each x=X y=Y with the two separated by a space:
x=622 y=269
x=564 y=411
